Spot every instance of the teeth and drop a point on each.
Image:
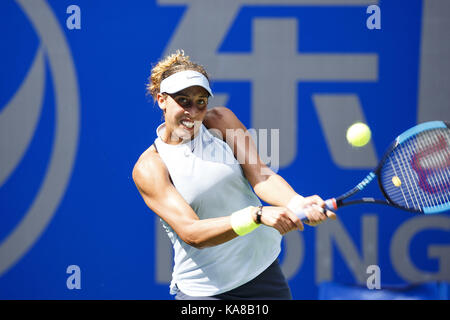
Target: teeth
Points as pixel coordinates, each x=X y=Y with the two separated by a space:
x=188 y=124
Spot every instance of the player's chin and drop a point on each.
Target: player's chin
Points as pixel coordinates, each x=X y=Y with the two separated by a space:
x=185 y=133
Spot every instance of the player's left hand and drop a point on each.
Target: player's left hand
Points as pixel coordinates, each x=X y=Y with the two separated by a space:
x=315 y=209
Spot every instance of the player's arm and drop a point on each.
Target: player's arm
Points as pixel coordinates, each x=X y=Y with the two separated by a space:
x=268 y=186
x=152 y=180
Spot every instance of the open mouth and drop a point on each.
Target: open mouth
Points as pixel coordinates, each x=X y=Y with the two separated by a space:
x=188 y=124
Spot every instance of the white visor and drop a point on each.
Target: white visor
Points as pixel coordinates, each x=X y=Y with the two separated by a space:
x=184 y=79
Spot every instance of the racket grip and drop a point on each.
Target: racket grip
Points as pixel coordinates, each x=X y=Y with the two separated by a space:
x=330 y=204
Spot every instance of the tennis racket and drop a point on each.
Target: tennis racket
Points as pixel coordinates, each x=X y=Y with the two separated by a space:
x=413 y=175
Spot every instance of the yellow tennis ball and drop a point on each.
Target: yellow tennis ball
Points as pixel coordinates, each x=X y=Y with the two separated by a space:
x=396 y=181
x=358 y=134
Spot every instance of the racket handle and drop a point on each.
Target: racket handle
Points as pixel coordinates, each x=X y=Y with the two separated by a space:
x=330 y=204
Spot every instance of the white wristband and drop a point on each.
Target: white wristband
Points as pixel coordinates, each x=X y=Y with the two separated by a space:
x=294 y=206
x=294 y=202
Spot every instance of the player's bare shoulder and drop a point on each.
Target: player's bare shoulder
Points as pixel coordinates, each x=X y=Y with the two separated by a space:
x=149 y=169
x=221 y=118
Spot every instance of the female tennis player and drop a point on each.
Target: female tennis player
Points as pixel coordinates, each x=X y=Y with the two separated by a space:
x=226 y=245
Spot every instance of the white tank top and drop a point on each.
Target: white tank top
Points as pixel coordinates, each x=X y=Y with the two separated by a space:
x=210 y=179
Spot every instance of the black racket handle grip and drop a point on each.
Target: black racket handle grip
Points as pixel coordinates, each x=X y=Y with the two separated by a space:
x=330 y=204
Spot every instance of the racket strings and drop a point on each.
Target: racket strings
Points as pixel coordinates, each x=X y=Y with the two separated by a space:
x=428 y=150
x=413 y=191
x=424 y=199
x=428 y=200
x=406 y=176
x=390 y=188
x=421 y=166
x=440 y=167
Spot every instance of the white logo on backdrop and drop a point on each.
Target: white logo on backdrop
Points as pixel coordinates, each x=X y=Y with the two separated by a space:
x=18 y=121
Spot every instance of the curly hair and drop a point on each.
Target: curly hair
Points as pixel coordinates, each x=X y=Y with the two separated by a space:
x=171 y=64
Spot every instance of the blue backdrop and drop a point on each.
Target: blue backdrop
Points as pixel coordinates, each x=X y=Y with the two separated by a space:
x=74 y=118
